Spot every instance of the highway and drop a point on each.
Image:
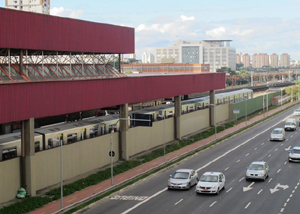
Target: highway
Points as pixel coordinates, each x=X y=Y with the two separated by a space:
x=279 y=193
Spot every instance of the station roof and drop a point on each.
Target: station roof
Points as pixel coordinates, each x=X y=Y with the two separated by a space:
x=32 y=31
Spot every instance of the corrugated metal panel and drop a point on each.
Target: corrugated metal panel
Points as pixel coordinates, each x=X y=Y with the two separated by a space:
x=32 y=31
x=36 y=100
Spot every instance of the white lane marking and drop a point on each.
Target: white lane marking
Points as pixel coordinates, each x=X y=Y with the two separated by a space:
x=148 y=199
x=259 y=191
x=285 y=163
x=292 y=135
x=241 y=179
x=285 y=204
x=227 y=168
x=276 y=149
x=206 y=165
x=229 y=190
x=262 y=143
x=282 y=210
x=282 y=144
x=278 y=170
x=213 y=204
x=269 y=155
x=255 y=148
x=247 y=205
x=178 y=202
x=287 y=139
x=270 y=180
x=288 y=200
x=238 y=161
x=247 y=154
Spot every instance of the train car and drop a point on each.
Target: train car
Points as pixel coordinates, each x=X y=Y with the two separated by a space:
x=10 y=145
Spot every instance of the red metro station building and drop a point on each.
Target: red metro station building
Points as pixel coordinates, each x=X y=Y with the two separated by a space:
x=54 y=66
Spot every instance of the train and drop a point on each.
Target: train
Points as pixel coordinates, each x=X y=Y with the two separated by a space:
x=55 y=135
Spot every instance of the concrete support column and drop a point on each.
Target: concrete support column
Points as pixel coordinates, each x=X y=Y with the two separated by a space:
x=123 y=148
x=212 y=107
x=30 y=168
x=177 y=117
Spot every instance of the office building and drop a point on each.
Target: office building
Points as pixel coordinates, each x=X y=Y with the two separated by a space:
x=36 y=6
x=216 y=53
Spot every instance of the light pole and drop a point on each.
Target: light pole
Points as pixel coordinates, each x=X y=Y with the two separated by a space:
x=111 y=155
x=164 y=138
x=281 y=98
x=61 y=177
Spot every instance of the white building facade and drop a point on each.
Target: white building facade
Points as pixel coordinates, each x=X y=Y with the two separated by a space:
x=36 y=6
x=216 y=53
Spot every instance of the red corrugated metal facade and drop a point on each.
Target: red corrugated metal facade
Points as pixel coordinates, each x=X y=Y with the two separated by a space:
x=32 y=31
x=36 y=100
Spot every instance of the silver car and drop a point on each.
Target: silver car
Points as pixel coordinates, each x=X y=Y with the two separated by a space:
x=258 y=170
x=297 y=112
x=211 y=182
x=183 y=179
x=278 y=134
x=294 y=154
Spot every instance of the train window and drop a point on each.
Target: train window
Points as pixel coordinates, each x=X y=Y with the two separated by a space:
x=53 y=142
x=37 y=146
x=71 y=138
x=110 y=127
x=9 y=153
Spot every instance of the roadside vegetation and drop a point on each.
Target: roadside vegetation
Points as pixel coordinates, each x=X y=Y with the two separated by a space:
x=32 y=203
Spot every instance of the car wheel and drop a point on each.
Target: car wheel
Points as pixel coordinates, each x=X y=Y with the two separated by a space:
x=224 y=187
x=218 y=192
x=189 y=187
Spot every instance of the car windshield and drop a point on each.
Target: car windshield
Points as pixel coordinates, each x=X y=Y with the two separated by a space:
x=277 y=132
x=295 y=151
x=180 y=175
x=289 y=123
x=209 y=178
x=256 y=167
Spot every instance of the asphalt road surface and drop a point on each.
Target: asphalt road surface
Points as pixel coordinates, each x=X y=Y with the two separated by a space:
x=279 y=193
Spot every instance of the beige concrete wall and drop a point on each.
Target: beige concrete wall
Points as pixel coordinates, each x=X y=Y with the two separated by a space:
x=90 y=154
x=223 y=113
x=10 y=179
x=194 y=121
x=78 y=158
x=143 y=138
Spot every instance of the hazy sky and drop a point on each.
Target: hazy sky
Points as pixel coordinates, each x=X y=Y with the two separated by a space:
x=256 y=26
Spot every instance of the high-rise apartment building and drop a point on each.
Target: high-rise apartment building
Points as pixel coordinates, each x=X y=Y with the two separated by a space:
x=285 y=60
x=216 y=53
x=274 y=60
x=246 y=60
x=145 y=58
x=239 y=58
x=37 y=6
x=260 y=60
x=150 y=58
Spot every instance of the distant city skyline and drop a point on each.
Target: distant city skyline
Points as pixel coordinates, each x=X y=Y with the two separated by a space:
x=253 y=26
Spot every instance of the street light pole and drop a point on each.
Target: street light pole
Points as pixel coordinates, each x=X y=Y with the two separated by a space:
x=111 y=156
x=165 y=138
x=61 y=177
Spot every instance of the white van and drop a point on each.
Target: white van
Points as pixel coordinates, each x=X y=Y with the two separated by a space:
x=290 y=124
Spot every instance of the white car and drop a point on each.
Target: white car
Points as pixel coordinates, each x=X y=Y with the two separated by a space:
x=278 y=134
x=294 y=154
x=297 y=112
x=211 y=182
x=183 y=179
x=258 y=170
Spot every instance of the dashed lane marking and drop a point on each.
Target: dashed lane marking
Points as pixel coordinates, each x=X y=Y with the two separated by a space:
x=247 y=205
x=213 y=204
x=259 y=191
x=229 y=190
x=178 y=202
